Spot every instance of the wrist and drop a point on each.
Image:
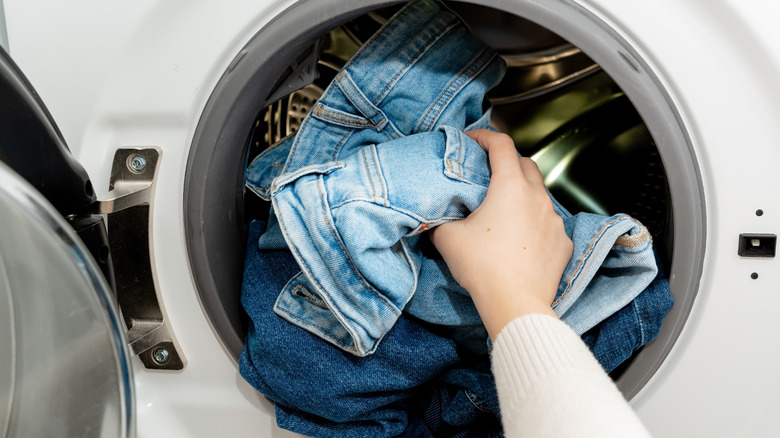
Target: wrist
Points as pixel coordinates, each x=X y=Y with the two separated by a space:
x=499 y=308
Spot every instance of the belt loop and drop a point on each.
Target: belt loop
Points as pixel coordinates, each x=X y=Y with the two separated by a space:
x=360 y=101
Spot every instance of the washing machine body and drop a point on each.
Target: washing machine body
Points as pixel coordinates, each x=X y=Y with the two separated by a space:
x=179 y=85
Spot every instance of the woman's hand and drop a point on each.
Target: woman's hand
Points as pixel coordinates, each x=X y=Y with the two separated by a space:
x=510 y=252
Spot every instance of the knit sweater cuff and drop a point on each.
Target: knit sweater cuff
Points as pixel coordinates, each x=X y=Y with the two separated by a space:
x=535 y=346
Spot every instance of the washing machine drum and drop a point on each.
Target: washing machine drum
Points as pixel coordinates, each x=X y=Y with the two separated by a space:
x=64 y=365
x=569 y=77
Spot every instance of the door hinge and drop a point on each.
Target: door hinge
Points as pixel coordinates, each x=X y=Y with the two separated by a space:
x=127 y=208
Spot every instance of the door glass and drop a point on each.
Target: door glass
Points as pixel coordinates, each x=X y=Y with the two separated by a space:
x=64 y=367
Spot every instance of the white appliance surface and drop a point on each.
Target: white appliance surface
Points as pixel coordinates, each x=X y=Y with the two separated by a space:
x=139 y=73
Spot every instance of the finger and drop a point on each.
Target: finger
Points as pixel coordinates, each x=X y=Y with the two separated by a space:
x=502 y=154
x=441 y=236
x=531 y=172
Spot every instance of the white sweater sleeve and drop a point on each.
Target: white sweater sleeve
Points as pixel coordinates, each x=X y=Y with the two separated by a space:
x=550 y=385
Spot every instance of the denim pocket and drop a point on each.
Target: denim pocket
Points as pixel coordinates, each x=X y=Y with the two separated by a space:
x=464 y=159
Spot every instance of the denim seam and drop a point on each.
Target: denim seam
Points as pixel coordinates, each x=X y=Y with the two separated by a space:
x=463 y=167
x=336 y=312
x=456 y=84
x=459 y=173
x=377 y=34
x=639 y=322
x=278 y=143
x=473 y=399
x=578 y=269
x=339 y=316
x=368 y=173
x=634 y=241
x=306 y=294
x=309 y=326
x=264 y=194
x=380 y=175
x=340 y=144
x=359 y=101
x=369 y=200
x=291 y=155
x=352 y=266
x=452 y=168
x=322 y=112
x=434 y=38
x=408 y=213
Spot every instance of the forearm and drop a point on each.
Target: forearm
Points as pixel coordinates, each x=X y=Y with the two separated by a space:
x=549 y=384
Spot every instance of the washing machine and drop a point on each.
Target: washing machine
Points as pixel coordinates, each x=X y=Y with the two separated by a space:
x=127 y=127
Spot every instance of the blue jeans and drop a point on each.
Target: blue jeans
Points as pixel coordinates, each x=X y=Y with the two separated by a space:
x=618 y=337
x=415 y=381
x=420 y=382
x=380 y=159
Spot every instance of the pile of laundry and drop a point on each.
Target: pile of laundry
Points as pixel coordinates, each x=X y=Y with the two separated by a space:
x=356 y=327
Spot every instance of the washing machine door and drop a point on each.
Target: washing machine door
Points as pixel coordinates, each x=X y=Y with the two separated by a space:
x=64 y=364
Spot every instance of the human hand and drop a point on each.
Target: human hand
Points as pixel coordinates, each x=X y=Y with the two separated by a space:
x=509 y=253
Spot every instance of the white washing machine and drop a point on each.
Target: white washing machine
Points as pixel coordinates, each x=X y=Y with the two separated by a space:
x=157 y=101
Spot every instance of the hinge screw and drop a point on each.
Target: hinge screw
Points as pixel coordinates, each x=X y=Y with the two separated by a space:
x=136 y=163
x=161 y=356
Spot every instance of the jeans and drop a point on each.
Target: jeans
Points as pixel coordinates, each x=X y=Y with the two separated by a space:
x=380 y=159
x=419 y=383
x=415 y=381
x=618 y=337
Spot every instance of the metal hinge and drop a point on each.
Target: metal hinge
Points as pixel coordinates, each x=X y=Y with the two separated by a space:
x=127 y=208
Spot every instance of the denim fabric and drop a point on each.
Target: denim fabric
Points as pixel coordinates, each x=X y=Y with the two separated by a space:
x=380 y=159
x=419 y=383
x=323 y=391
x=618 y=337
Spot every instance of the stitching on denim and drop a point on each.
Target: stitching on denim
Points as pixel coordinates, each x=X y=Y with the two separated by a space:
x=380 y=32
x=408 y=213
x=367 y=200
x=380 y=175
x=421 y=219
x=291 y=154
x=359 y=101
x=475 y=172
x=360 y=277
x=275 y=145
x=634 y=241
x=639 y=323
x=264 y=194
x=306 y=294
x=339 y=316
x=449 y=166
x=330 y=115
x=577 y=270
x=434 y=38
x=476 y=402
x=460 y=153
x=311 y=326
x=368 y=172
x=337 y=148
x=453 y=88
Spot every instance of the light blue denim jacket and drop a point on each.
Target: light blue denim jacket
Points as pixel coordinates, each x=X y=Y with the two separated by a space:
x=380 y=159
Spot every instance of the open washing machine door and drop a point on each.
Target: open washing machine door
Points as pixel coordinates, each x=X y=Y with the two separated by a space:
x=64 y=361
